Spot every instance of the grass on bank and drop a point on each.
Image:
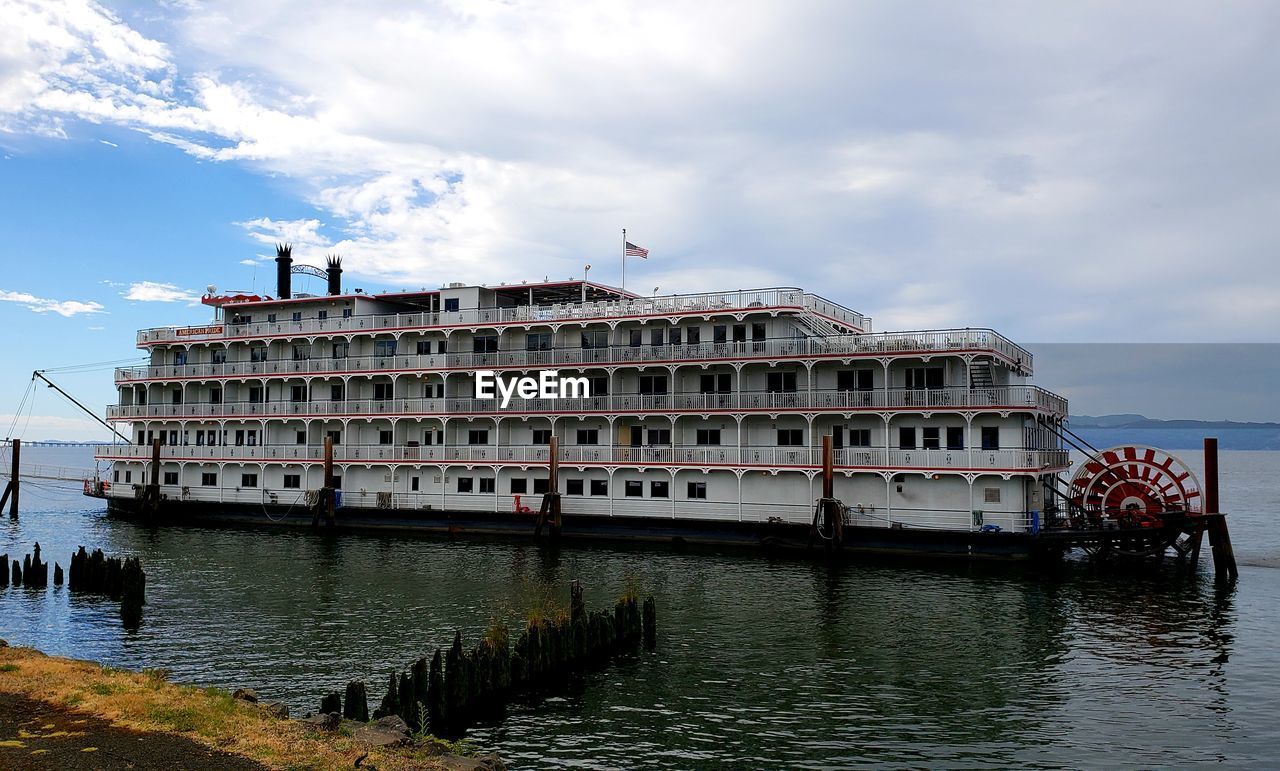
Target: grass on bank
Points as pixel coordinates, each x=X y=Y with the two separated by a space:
x=147 y=701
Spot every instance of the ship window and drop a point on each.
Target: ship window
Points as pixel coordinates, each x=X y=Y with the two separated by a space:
x=336 y=392
x=478 y=436
x=719 y=334
x=588 y=436
x=637 y=337
x=537 y=341
x=595 y=339
x=519 y=486
x=334 y=436
x=346 y=313
x=837 y=437
x=215 y=396
x=739 y=333
x=340 y=350
x=906 y=438
x=177 y=396
x=955 y=438
x=782 y=382
x=487 y=484
x=381 y=391
x=659 y=489
x=442 y=346
x=258 y=353
x=599 y=385
x=142 y=438
x=990 y=437
x=924 y=377
x=540 y=486
x=757 y=332
x=790 y=437
x=465 y=484
x=859 y=437
x=573 y=487
x=116 y=476
x=930 y=438
x=991 y=495
x=653 y=385
x=542 y=436
x=413 y=484
x=128 y=476
x=657 y=336
x=430 y=390
x=297 y=315
x=599 y=487
x=384 y=437
x=337 y=482
x=697 y=490
x=424 y=347
x=633 y=488
x=297 y=393
x=322 y=315
x=255 y=394
x=659 y=437
x=240 y=438
x=171 y=477
x=708 y=436
x=484 y=343
x=219 y=356
x=179 y=358
x=173 y=438
x=694 y=335
x=207 y=479
x=271 y=318
x=300 y=437
x=248 y=480
x=675 y=335
x=292 y=481
x=715 y=384
x=451 y=305
x=384 y=348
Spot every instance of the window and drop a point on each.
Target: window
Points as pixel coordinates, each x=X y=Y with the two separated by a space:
x=177 y=396
x=433 y=390
x=651 y=385
x=599 y=385
x=694 y=334
x=720 y=334
x=697 y=490
x=256 y=394
x=334 y=436
x=708 y=436
x=271 y=318
x=924 y=377
x=542 y=436
x=322 y=315
x=990 y=437
x=675 y=335
x=465 y=484
x=659 y=489
x=519 y=486
x=633 y=488
x=537 y=341
x=337 y=482
x=451 y=305
x=219 y=356
x=757 y=332
x=336 y=392
x=292 y=481
x=991 y=495
x=382 y=392
x=179 y=358
x=790 y=437
x=297 y=393
x=207 y=479
x=573 y=487
x=658 y=437
x=142 y=437
x=588 y=436
x=595 y=339
x=301 y=352
x=599 y=487
x=240 y=438
x=930 y=438
x=116 y=475
x=540 y=486
x=739 y=333
x=906 y=438
x=853 y=380
x=297 y=315
x=384 y=348
x=478 y=436
x=384 y=437
x=657 y=336
x=955 y=438
x=299 y=437
x=488 y=484
x=484 y=344
x=346 y=313
x=340 y=350
x=442 y=346
x=423 y=348
x=780 y=382
x=215 y=396
x=171 y=477
x=859 y=437
x=414 y=482
x=715 y=384
x=128 y=476
x=248 y=480
x=258 y=353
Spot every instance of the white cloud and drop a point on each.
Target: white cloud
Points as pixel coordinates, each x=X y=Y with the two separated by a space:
x=44 y=305
x=999 y=165
x=108 y=144
x=152 y=291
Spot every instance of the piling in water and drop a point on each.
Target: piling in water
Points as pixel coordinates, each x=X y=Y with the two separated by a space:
x=390 y=703
x=650 y=622
x=57 y=574
x=119 y=579
x=4 y=570
x=17 y=573
x=331 y=703
x=356 y=702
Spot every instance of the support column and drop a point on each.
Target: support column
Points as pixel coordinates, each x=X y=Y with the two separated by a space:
x=11 y=489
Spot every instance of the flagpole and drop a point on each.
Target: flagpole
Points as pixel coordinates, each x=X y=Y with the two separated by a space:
x=624 y=258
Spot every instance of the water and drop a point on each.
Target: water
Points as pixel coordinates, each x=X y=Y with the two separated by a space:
x=760 y=663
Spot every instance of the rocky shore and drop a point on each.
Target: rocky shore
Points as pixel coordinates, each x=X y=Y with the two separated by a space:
x=66 y=714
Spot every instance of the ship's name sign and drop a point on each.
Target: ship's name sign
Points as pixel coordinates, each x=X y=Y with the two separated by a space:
x=547 y=385
x=192 y=331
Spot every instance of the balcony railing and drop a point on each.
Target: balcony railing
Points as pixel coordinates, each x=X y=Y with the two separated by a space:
x=770 y=457
x=933 y=342
x=1013 y=398
x=788 y=298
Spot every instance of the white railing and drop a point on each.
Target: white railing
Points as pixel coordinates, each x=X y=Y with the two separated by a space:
x=765 y=456
x=822 y=305
x=882 y=343
x=706 y=302
x=1021 y=398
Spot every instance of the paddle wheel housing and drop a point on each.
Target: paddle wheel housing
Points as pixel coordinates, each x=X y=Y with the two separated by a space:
x=1135 y=485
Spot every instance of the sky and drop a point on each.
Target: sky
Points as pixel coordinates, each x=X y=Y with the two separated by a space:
x=1064 y=173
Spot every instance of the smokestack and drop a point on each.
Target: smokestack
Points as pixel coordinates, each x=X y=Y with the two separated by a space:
x=284 y=266
x=334 y=270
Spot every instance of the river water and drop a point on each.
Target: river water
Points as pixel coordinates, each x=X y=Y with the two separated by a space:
x=760 y=663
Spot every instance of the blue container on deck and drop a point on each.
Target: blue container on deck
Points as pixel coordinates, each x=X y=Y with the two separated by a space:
x=337 y=499
x=1035 y=522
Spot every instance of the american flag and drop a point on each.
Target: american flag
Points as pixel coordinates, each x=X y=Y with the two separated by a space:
x=636 y=251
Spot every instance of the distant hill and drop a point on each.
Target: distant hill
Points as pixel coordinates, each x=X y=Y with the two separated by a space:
x=1109 y=430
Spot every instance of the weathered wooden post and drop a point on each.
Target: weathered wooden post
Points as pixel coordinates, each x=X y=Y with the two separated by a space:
x=356 y=702
x=327 y=498
x=4 y=570
x=17 y=573
x=549 y=512
x=831 y=507
x=57 y=574
x=391 y=702
x=331 y=703
x=11 y=489
x=1224 y=557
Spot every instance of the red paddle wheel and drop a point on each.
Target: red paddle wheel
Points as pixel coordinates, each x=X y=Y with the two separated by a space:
x=1135 y=485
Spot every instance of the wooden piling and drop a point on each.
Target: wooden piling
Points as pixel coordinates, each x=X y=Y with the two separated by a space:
x=391 y=702
x=4 y=570
x=57 y=574
x=1224 y=558
x=650 y=622
x=549 y=512
x=331 y=704
x=11 y=491
x=356 y=702
x=328 y=497
x=17 y=573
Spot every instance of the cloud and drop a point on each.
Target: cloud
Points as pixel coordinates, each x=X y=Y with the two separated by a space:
x=43 y=305
x=1059 y=172
x=152 y=291
x=108 y=144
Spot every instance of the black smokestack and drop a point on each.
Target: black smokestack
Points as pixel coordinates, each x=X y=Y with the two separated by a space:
x=334 y=270
x=284 y=267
